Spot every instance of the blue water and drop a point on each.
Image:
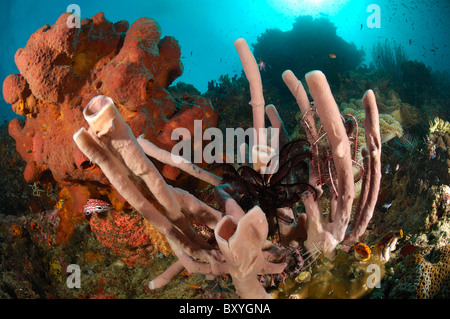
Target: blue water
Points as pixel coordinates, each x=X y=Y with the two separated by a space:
x=206 y=29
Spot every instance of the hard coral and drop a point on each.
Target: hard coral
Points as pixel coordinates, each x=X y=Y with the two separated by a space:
x=427 y=275
x=62 y=68
x=439 y=126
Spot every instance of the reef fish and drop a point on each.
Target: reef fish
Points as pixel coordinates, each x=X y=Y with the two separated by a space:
x=388 y=243
x=96 y=206
x=262 y=66
x=332 y=56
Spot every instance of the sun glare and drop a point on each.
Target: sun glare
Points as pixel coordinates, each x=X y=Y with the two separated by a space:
x=310 y=7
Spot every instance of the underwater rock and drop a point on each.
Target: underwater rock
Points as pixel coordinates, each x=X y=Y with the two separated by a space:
x=62 y=68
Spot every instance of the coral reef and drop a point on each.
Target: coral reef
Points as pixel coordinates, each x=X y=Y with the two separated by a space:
x=62 y=68
x=389 y=126
x=115 y=149
x=416 y=82
x=33 y=267
x=404 y=113
x=161 y=232
x=419 y=188
x=414 y=196
x=226 y=92
x=302 y=52
x=24 y=241
x=388 y=58
x=183 y=90
x=438 y=142
x=412 y=79
x=425 y=275
x=440 y=127
x=395 y=116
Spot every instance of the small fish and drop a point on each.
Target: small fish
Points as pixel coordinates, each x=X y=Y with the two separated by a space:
x=410 y=41
x=191 y=285
x=59 y=204
x=388 y=243
x=332 y=56
x=96 y=206
x=262 y=65
x=387 y=206
x=388 y=166
x=361 y=26
x=397 y=167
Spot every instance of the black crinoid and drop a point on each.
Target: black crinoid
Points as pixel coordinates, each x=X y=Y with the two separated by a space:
x=270 y=192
